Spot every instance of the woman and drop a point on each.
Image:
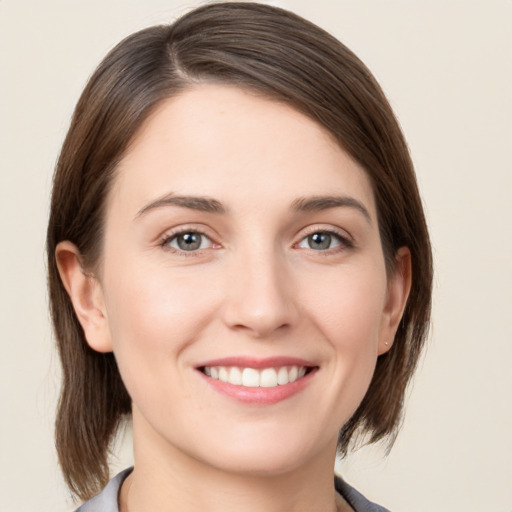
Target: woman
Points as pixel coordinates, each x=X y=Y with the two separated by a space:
x=238 y=262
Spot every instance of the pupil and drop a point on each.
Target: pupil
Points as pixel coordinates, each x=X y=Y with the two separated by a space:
x=319 y=241
x=189 y=241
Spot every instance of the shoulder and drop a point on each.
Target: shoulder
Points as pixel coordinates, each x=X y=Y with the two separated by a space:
x=106 y=500
x=356 y=500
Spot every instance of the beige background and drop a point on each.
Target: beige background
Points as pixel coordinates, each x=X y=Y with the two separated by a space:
x=447 y=68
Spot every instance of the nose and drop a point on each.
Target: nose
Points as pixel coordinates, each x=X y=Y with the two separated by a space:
x=260 y=298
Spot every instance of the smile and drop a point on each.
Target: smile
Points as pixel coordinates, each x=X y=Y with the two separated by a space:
x=254 y=378
x=258 y=381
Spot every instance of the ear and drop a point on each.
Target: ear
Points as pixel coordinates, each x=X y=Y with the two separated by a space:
x=86 y=295
x=399 y=286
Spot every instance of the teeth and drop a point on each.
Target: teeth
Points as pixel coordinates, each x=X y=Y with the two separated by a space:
x=282 y=376
x=268 y=378
x=252 y=378
x=223 y=374
x=235 y=376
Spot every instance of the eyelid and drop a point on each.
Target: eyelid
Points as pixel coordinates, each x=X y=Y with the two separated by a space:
x=346 y=239
x=170 y=234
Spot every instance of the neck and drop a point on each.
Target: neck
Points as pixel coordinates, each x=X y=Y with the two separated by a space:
x=166 y=479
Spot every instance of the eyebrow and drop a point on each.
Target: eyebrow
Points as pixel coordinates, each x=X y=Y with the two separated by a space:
x=203 y=204
x=210 y=205
x=318 y=203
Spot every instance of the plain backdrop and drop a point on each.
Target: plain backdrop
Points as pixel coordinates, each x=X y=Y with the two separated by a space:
x=447 y=69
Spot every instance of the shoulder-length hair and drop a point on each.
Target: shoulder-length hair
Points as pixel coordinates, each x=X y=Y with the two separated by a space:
x=281 y=56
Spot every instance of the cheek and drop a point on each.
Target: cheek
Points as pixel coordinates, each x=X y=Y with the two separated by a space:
x=154 y=315
x=144 y=297
x=350 y=308
x=349 y=316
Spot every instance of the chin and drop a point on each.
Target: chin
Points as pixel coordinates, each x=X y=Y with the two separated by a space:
x=262 y=467
x=265 y=456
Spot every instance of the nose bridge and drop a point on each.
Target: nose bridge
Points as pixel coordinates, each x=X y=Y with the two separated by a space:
x=259 y=296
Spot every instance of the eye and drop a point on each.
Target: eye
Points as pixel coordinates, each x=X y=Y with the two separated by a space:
x=188 y=241
x=322 y=241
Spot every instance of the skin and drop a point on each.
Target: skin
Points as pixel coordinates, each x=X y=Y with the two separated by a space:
x=257 y=287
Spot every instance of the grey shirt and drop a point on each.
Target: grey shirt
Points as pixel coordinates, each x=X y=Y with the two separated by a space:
x=106 y=501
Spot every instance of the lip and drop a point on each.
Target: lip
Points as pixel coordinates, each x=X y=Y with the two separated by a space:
x=258 y=363
x=259 y=395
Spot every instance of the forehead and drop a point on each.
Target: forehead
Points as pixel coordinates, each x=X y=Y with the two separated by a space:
x=233 y=144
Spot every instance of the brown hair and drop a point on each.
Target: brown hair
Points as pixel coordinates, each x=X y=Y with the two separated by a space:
x=282 y=56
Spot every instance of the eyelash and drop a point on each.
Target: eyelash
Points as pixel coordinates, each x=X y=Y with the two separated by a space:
x=169 y=237
x=344 y=242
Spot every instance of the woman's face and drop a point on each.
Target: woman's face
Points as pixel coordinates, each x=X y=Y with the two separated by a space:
x=243 y=283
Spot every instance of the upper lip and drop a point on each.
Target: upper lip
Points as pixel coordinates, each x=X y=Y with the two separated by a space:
x=258 y=363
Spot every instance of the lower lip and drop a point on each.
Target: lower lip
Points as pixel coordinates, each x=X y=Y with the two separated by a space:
x=259 y=395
